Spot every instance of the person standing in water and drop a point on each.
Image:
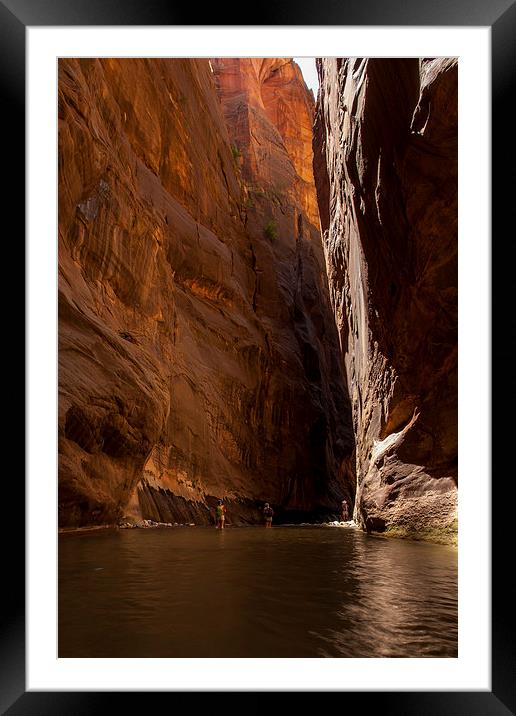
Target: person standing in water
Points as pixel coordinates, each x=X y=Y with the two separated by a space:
x=220 y=512
x=268 y=512
x=344 y=511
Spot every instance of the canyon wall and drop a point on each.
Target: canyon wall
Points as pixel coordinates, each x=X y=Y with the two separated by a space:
x=198 y=356
x=385 y=159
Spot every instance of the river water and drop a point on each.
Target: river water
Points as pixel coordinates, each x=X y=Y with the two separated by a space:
x=251 y=592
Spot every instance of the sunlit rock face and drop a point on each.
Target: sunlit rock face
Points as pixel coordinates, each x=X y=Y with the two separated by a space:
x=198 y=356
x=270 y=113
x=385 y=146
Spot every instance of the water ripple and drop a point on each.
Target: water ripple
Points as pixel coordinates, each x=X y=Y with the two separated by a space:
x=285 y=592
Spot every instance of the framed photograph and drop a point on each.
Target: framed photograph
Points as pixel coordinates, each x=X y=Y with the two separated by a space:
x=49 y=73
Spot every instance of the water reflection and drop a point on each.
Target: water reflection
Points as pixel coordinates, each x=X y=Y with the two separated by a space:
x=285 y=592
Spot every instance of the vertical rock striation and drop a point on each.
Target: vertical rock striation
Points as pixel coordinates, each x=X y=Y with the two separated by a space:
x=196 y=345
x=269 y=113
x=385 y=145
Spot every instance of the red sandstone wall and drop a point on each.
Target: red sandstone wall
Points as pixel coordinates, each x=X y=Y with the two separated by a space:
x=386 y=175
x=196 y=354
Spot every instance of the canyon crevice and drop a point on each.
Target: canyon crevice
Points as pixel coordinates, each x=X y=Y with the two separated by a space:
x=231 y=327
x=198 y=356
x=385 y=144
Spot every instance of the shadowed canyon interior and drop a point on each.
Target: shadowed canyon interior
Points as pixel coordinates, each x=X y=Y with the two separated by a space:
x=258 y=292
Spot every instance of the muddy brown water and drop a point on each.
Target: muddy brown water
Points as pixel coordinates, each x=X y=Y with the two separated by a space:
x=251 y=592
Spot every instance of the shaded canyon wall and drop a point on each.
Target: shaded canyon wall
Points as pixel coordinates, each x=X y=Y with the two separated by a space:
x=197 y=349
x=385 y=146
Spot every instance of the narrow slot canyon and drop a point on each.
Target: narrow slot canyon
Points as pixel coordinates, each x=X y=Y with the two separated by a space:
x=258 y=293
x=257 y=313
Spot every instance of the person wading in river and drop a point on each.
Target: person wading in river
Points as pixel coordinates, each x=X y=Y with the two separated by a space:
x=220 y=512
x=344 y=511
x=268 y=512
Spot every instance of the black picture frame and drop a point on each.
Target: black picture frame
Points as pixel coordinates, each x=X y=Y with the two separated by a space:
x=500 y=16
